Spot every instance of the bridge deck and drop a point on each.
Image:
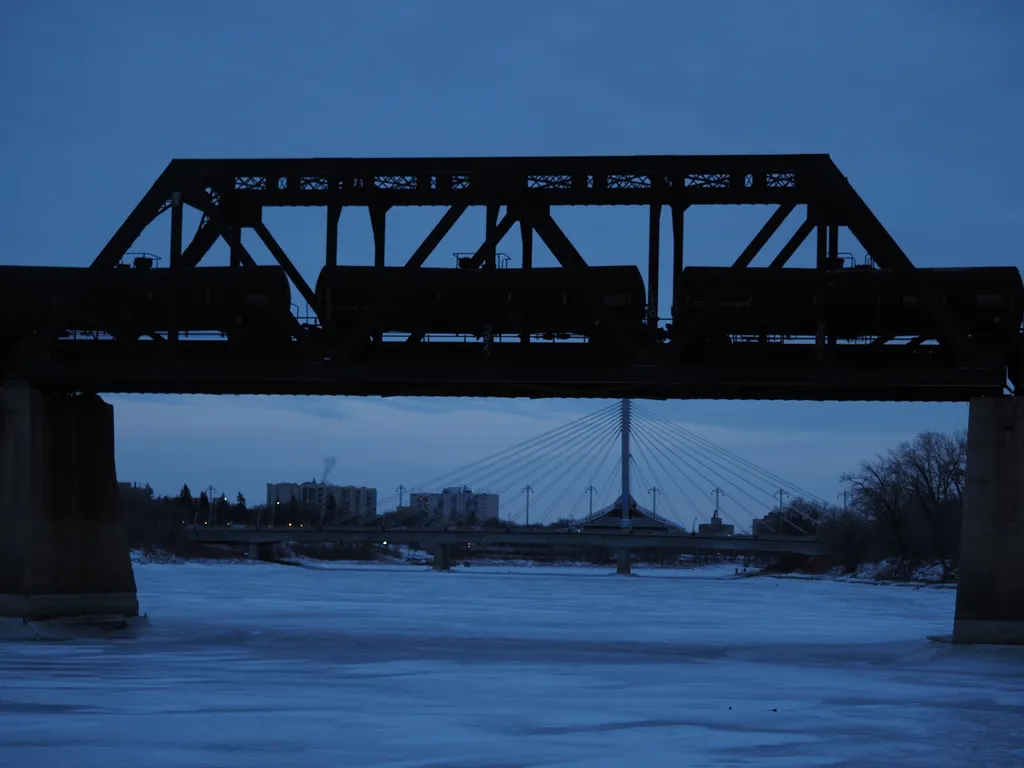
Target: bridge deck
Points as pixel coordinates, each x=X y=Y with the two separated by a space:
x=769 y=545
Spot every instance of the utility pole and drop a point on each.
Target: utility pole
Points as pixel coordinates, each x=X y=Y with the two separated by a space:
x=591 y=490
x=624 y=521
x=782 y=516
x=782 y=494
x=401 y=494
x=210 y=502
x=528 y=490
x=717 y=493
x=843 y=496
x=655 y=492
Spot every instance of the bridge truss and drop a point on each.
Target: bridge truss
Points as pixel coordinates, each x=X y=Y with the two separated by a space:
x=232 y=196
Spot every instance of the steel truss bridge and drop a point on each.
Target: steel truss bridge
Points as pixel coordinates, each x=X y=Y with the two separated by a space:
x=232 y=196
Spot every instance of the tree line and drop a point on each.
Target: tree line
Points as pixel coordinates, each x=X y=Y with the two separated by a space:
x=904 y=505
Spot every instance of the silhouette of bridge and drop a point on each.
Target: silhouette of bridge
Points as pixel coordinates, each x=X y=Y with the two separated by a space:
x=837 y=330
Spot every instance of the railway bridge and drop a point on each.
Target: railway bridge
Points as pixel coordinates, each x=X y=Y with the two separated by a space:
x=883 y=330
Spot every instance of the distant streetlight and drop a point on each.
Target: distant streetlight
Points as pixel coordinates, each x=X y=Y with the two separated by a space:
x=655 y=493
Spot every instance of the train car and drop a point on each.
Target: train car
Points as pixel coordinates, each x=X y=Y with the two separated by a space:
x=543 y=301
x=246 y=302
x=850 y=303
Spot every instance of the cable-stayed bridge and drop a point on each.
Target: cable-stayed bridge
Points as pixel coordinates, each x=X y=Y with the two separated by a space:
x=572 y=475
x=680 y=489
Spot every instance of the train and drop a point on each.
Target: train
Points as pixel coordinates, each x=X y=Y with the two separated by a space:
x=243 y=304
x=847 y=304
x=604 y=304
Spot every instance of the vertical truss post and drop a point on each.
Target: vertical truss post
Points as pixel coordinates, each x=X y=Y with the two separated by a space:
x=235 y=247
x=833 y=263
x=333 y=214
x=821 y=258
x=678 y=210
x=378 y=217
x=526 y=233
x=653 y=265
x=378 y=223
x=177 y=220
x=624 y=521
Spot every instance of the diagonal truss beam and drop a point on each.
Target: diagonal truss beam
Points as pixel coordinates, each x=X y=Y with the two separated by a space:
x=860 y=220
x=202 y=242
x=282 y=258
x=551 y=234
x=232 y=236
x=764 y=235
x=153 y=203
x=490 y=243
x=794 y=242
x=437 y=234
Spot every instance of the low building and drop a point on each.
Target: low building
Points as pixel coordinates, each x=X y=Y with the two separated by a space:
x=457 y=505
x=716 y=527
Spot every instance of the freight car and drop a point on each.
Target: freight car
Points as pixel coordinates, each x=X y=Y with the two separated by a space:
x=126 y=303
x=848 y=303
x=544 y=301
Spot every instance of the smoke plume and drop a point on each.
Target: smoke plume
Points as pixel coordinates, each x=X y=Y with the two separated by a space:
x=329 y=463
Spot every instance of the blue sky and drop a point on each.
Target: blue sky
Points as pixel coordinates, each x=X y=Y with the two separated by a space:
x=918 y=103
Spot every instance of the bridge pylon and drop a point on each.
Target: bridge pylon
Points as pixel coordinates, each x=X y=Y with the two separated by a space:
x=624 y=558
x=990 y=592
x=63 y=548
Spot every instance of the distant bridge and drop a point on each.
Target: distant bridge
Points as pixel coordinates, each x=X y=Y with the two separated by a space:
x=629 y=539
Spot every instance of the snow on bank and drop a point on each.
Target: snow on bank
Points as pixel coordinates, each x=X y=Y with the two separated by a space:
x=884 y=572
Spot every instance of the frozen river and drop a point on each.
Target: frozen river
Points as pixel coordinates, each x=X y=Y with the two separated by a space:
x=263 y=665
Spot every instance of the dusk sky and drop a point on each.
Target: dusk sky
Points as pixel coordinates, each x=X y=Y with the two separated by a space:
x=919 y=103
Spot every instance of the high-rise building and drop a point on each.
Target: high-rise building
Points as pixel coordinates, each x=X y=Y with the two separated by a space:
x=339 y=503
x=457 y=505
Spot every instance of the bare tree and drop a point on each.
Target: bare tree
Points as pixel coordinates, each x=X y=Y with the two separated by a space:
x=933 y=469
x=878 y=493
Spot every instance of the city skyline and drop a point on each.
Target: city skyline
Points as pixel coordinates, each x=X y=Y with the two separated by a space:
x=426 y=444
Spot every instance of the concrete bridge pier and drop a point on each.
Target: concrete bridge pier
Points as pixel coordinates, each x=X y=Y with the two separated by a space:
x=442 y=558
x=63 y=548
x=990 y=593
x=624 y=561
x=263 y=551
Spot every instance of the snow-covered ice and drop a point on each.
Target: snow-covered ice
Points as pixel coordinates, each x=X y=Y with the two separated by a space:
x=371 y=665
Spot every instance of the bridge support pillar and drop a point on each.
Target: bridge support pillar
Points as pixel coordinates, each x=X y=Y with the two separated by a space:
x=265 y=552
x=442 y=558
x=624 y=562
x=63 y=547
x=990 y=593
